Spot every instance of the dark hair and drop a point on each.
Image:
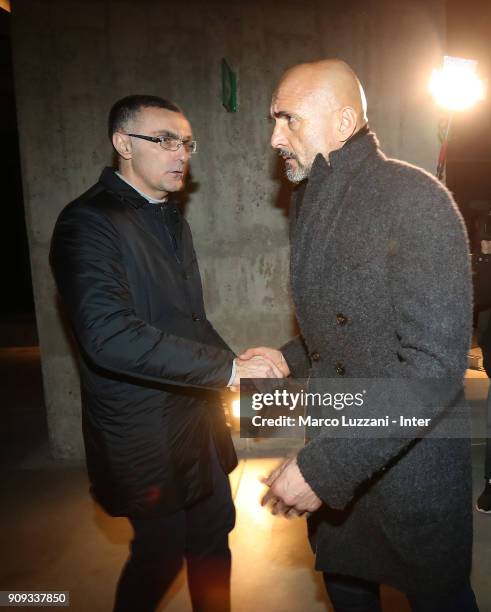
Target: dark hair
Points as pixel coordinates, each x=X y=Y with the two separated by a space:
x=127 y=108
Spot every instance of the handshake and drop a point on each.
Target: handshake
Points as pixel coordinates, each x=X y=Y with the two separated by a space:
x=288 y=493
x=259 y=362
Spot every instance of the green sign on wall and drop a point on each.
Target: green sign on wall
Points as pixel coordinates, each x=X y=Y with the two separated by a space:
x=229 y=88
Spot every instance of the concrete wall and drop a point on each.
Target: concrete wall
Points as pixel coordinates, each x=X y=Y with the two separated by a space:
x=73 y=59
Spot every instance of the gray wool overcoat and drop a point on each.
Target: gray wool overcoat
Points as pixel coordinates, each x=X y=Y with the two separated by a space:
x=381 y=284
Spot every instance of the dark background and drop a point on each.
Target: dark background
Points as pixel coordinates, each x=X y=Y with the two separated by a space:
x=469 y=154
x=16 y=288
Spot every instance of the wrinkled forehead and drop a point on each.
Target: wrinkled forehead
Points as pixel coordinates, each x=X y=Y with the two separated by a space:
x=152 y=121
x=300 y=92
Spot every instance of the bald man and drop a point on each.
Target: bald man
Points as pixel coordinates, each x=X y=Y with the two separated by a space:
x=382 y=289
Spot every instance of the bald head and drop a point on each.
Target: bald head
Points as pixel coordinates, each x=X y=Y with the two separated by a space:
x=330 y=82
x=317 y=106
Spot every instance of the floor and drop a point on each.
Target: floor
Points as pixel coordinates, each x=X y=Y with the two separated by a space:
x=54 y=537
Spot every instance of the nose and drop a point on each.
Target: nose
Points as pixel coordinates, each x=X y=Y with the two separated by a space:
x=183 y=154
x=277 y=138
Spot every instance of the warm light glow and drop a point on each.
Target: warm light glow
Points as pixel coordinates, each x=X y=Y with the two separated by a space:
x=248 y=500
x=456 y=86
x=5 y=5
x=236 y=408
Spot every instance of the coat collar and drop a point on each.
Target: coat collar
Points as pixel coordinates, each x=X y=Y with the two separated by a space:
x=323 y=195
x=124 y=192
x=111 y=181
x=349 y=157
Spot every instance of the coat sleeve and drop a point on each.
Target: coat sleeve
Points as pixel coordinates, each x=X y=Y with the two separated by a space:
x=429 y=283
x=296 y=356
x=87 y=263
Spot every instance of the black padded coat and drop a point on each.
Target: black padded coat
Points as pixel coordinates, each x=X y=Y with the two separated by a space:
x=151 y=363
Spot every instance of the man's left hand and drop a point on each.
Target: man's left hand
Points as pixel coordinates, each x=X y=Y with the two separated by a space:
x=288 y=493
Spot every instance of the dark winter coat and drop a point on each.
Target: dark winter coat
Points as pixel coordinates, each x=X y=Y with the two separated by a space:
x=151 y=363
x=382 y=288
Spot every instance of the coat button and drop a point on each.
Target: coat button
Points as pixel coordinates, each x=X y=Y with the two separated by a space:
x=315 y=356
x=185 y=276
x=340 y=369
x=196 y=317
x=341 y=319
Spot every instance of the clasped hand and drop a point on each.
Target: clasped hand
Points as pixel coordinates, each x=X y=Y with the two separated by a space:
x=289 y=494
x=260 y=362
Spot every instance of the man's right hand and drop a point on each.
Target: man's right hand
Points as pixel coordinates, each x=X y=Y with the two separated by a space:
x=273 y=355
x=255 y=367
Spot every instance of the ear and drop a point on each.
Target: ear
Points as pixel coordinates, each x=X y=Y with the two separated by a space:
x=347 y=123
x=122 y=144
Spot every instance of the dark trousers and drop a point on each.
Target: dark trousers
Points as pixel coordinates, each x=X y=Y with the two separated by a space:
x=348 y=594
x=484 y=338
x=487 y=459
x=200 y=535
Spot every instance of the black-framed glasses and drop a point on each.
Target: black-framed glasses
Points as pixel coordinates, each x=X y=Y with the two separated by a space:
x=170 y=143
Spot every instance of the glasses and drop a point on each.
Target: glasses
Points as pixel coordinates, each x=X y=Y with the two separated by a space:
x=170 y=143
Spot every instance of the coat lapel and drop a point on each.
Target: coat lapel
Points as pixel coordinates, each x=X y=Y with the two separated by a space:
x=330 y=233
x=318 y=214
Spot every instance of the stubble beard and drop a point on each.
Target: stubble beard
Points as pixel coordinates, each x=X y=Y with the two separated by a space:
x=294 y=175
x=298 y=175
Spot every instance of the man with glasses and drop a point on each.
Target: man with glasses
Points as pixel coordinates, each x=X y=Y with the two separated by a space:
x=151 y=364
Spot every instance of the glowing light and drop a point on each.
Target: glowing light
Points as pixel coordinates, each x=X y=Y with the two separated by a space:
x=456 y=86
x=236 y=408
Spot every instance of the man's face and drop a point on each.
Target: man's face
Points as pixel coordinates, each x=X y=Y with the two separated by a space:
x=304 y=126
x=158 y=170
